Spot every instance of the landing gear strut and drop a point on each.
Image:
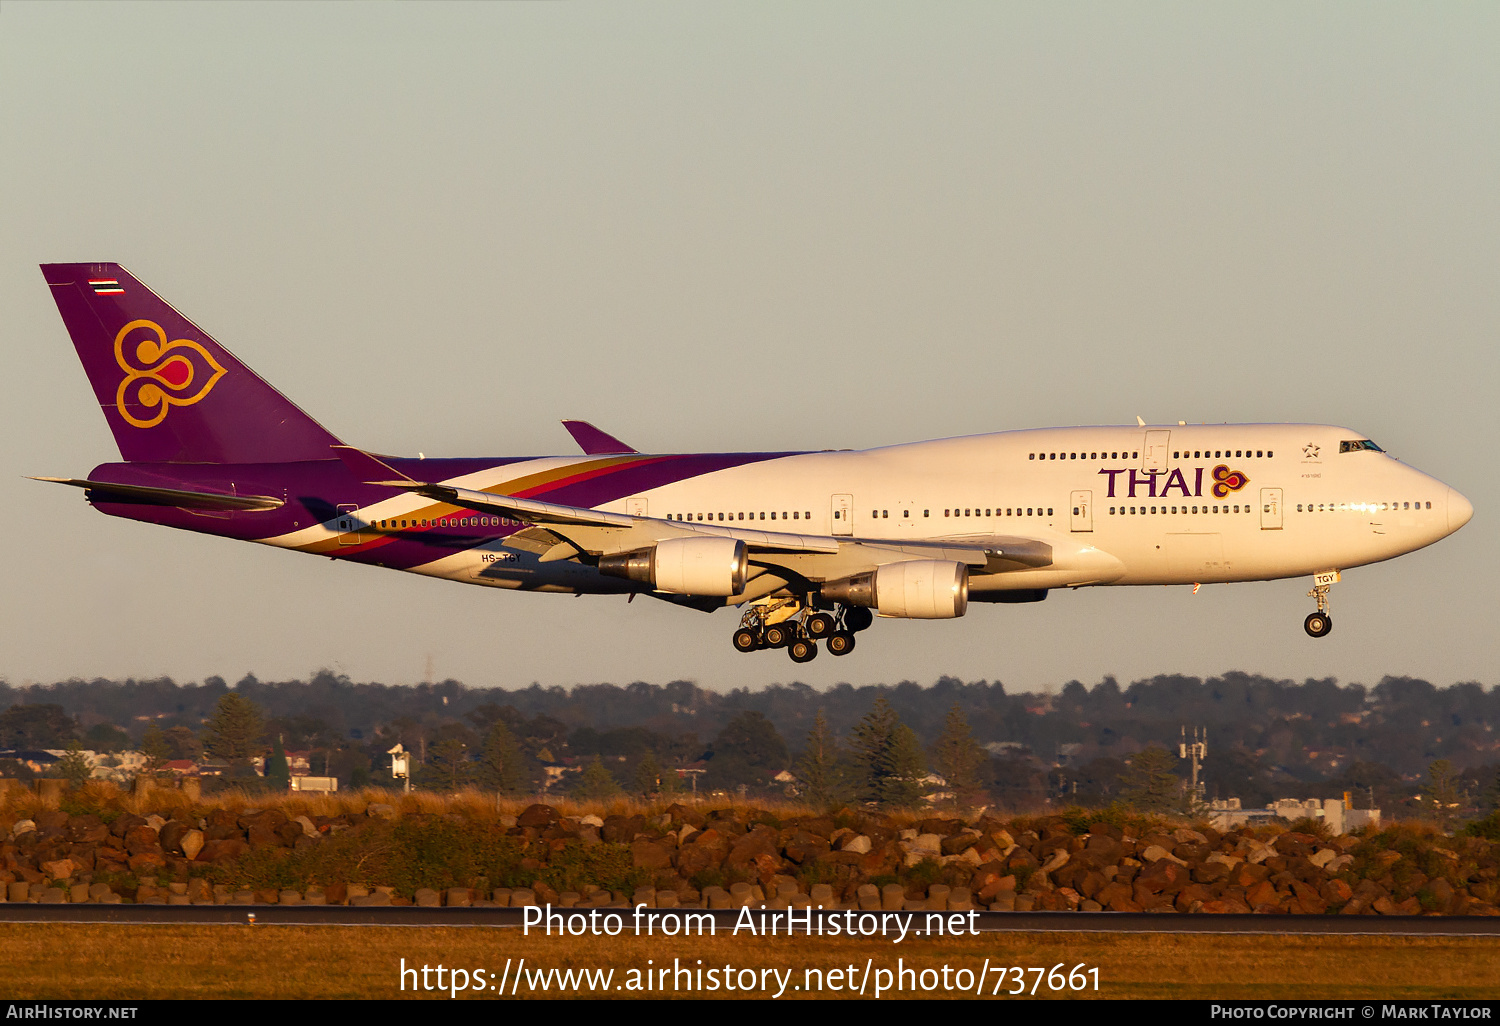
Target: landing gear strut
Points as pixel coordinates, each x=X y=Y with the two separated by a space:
x=1320 y=623
x=777 y=625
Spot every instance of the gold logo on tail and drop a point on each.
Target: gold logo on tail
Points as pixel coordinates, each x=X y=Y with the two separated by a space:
x=160 y=374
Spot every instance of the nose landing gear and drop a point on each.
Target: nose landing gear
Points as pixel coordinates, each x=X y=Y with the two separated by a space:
x=1318 y=624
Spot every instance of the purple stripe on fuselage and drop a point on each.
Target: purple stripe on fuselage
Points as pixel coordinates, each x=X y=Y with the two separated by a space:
x=633 y=478
x=313 y=491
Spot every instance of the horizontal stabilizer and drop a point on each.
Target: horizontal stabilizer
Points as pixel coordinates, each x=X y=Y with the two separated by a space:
x=595 y=442
x=370 y=469
x=108 y=491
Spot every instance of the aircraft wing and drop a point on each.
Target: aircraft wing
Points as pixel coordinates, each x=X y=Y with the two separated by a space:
x=621 y=531
x=563 y=532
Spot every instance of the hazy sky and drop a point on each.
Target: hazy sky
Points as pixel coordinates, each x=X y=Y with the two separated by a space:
x=443 y=228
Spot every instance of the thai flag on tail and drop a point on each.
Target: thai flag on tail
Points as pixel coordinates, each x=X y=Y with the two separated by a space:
x=106 y=286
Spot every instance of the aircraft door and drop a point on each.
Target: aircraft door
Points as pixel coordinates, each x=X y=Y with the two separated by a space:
x=1270 y=509
x=637 y=507
x=348 y=525
x=1083 y=510
x=842 y=516
x=1154 y=452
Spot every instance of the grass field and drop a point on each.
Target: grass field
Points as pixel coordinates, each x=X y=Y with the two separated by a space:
x=138 y=962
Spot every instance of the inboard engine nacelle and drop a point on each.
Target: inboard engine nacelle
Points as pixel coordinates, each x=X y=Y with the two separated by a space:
x=921 y=589
x=685 y=566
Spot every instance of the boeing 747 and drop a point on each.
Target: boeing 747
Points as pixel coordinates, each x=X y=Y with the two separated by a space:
x=810 y=546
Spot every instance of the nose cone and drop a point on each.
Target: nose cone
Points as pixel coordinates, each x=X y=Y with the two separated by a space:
x=1460 y=510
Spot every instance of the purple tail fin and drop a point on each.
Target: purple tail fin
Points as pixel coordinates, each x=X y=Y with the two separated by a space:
x=171 y=393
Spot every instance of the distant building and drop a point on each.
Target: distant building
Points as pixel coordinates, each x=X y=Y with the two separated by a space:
x=1227 y=814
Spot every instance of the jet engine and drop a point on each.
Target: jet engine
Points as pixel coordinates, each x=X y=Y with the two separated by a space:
x=685 y=566
x=920 y=589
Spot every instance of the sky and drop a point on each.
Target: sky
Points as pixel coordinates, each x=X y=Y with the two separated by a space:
x=443 y=228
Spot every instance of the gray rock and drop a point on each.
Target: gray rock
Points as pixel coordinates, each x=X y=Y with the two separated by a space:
x=192 y=843
x=859 y=844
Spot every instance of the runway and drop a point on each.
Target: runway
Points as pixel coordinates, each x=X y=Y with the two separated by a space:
x=724 y=919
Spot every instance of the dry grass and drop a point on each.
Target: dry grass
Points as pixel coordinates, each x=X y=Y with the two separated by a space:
x=18 y=803
x=140 y=962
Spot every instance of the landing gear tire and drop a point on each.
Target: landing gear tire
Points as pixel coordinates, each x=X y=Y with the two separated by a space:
x=840 y=643
x=745 y=640
x=857 y=618
x=819 y=625
x=777 y=635
x=1317 y=624
x=803 y=650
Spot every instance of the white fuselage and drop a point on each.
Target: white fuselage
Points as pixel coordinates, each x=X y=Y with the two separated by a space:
x=1118 y=505
x=1110 y=505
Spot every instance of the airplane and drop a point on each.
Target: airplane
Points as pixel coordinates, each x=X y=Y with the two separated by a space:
x=811 y=546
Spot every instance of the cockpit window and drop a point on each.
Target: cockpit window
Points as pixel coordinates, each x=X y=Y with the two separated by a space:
x=1359 y=443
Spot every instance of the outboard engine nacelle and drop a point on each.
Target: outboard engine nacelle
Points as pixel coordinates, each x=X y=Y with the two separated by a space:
x=685 y=566
x=920 y=589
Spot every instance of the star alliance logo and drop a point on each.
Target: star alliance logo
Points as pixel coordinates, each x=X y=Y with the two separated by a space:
x=1310 y=451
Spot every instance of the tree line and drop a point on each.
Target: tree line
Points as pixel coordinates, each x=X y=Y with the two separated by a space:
x=1269 y=739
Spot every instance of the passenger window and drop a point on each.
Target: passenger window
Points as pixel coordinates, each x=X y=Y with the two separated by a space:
x=884 y=514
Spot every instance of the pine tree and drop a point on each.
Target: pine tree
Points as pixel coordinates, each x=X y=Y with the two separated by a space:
x=450 y=764
x=154 y=748
x=889 y=756
x=234 y=729
x=904 y=787
x=278 y=772
x=501 y=768
x=820 y=770
x=959 y=757
x=74 y=767
x=1151 y=783
x=1440 y=795
x=595 y=782
x=648 y=775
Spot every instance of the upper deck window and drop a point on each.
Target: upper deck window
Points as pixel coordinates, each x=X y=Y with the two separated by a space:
x=1359 y=443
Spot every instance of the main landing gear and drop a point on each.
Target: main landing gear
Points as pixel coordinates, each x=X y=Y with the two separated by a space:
x=778 y=625
x=1318 y=624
